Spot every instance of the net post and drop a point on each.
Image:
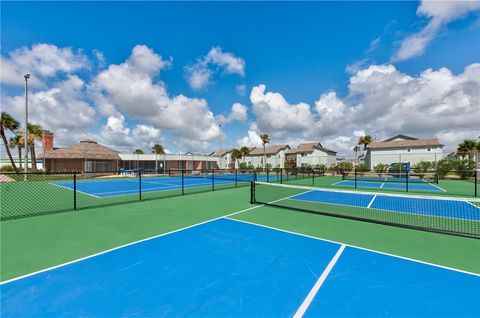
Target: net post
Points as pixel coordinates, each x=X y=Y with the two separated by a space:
x=183 y=182
x=75 y=191
x=252 y=192
x=140 y=185
x=213 y=179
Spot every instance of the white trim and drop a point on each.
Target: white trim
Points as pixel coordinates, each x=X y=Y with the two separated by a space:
x=447 y=198
x=357 y=247
x=371 y=201
x=313 y=292
x=71 y=189
x=126 y=245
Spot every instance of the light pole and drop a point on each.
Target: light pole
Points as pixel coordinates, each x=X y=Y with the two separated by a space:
x=25 y=177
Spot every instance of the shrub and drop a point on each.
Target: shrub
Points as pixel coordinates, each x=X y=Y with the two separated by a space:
x=443 y=167
x=465 y=168
x=396 y=167
x=422 y=167
x=380 y=168
x=7 y=168
x=345 y=166
x=362 y=167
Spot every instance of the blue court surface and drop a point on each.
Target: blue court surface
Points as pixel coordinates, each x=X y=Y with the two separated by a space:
x=423 y=186
x=231 y=268
x=116 y=187
x=403 y=204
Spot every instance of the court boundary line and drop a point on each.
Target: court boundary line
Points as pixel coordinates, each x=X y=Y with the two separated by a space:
x=361 y=184
x=71 y=189
x=452 y=198
x=371 y=201
x=383 y=210
x=355 y=246
x=134 y=243
x=318 y=284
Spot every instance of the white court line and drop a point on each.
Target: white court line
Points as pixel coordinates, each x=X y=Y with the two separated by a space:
x=382 y=185
x=372 y=192
x=434 y=185
x=86 y=193
x=371 y=202
x=376 y=209
x=355 y=246
x=313 y=292
x=136 y=242
x=126 y=245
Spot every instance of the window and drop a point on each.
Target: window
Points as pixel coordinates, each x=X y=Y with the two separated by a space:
x=269 y=156
x=429 y=149
x=304 y=154
x=409 y=149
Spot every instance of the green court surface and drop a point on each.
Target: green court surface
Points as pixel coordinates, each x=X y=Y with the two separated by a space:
x=35 y=243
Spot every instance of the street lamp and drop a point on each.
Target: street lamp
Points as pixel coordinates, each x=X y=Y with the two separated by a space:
x=26 y=76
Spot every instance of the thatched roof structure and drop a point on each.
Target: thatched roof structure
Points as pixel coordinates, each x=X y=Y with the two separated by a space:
x=86 y=149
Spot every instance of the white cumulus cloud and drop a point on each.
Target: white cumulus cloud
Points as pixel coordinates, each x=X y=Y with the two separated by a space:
x=199 y=74
x=439 y=13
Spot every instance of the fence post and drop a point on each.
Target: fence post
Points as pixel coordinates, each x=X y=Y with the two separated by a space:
x=252 y=192
x=236 y=177
x=406 y=179
x=313 y=177
x=355 y=176
x=476 y=180
x=75 y=191
x=268 y=175
x=140 y=185
x=281 y=175
x=213 y=179
x=183 y=183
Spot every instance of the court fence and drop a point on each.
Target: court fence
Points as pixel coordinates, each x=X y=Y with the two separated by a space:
x=40 y=193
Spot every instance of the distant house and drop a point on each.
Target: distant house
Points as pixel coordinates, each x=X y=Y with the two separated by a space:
x=452 y=156
x=156 y=162
x=274 y=156
x=224 y=158
x=312 y=153
x=403 y=149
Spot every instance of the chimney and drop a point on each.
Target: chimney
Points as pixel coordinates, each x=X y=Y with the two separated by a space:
x=47 y=140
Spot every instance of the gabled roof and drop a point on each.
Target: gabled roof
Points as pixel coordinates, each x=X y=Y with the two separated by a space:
x=308 y=147
x=272 y=150
x=221 y=152
x=389 y=143
x=86 y=149
x=401 y=137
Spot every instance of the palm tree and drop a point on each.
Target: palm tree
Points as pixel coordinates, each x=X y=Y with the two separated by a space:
x=18 y=142
x=235 y=155
x=365 y=141
x=158 y=149
x=7 y=122
x=265 y=140
x=138 y=151
x=356 y=149
x=245 y=151
x=467 y=148
x=34 y=133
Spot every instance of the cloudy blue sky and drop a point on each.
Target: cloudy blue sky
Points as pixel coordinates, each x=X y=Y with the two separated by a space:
x=133 y=74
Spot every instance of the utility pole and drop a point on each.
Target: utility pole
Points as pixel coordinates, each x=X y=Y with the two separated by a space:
x=25 y=177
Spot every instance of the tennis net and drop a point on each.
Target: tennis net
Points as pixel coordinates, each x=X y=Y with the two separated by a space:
x=400 y=177
x=428 y=213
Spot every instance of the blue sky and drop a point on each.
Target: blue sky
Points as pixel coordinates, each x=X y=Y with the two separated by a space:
x=327 y=71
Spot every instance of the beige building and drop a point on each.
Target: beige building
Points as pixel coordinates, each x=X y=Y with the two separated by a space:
x=312 y=153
